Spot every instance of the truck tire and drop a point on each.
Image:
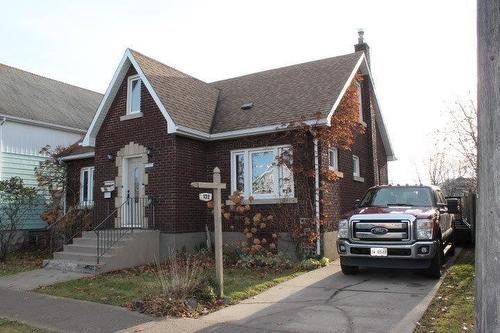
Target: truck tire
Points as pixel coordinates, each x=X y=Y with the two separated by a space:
x=434 y=270
x=349 y=270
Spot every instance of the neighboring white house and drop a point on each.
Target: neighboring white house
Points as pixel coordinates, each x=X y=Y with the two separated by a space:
x=34 y=112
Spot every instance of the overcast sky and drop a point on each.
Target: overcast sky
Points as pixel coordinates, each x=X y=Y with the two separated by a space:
x=423 y=52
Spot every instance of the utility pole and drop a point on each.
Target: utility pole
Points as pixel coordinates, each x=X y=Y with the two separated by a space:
x=488 y=208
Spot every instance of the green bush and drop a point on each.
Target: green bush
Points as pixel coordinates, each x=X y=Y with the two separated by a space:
x=311 y=263
x=269 y=260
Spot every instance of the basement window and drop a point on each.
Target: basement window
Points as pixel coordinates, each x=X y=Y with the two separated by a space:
x=263 y=173
x=134 y=94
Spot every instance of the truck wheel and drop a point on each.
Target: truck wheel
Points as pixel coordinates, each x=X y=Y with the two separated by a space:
x=434 y=271
x=349 y=270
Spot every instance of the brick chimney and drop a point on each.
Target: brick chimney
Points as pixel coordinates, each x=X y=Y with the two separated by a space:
x=362 y=46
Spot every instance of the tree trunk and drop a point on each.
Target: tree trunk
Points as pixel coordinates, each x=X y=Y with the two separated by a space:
x=488 y=209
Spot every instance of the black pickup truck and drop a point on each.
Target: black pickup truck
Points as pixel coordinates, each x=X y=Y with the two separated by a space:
x=397 y=227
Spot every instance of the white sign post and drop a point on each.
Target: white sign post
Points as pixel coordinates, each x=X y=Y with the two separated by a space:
x=216 y=186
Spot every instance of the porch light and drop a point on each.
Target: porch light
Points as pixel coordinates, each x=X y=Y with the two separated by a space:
x=149 y=151
x=110 y=157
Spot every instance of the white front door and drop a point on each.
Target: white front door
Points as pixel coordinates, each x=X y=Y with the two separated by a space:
x=133 y=193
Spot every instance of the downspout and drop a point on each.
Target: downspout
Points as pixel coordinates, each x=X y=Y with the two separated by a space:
x=316 y=195
x=4 y=119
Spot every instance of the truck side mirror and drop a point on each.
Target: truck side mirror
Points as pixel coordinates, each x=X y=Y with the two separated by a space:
x=356 y=203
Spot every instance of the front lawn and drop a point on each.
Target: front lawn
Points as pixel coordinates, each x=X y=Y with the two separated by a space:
x=122 y=287
x=22 y=260
x=7 y=326
x=452 y=309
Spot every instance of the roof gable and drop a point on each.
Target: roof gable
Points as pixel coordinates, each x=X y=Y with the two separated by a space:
x=189 y=102
x=30 y=97
x=183 y=100
x=212 y=111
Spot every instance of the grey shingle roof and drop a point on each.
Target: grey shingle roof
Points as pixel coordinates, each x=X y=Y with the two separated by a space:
x=293 y=93
x=30 y=96
x=189 y=101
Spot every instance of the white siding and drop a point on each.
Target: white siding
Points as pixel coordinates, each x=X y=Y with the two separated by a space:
x=28 y=139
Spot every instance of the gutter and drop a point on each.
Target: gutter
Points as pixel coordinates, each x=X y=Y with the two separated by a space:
x=316 y=195
x=77 y=156
x=41 y=123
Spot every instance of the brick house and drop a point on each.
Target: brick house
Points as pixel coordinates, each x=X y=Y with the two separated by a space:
x=158 y=129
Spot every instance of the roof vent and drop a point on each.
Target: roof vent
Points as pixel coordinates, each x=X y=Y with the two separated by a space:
x=247 y=106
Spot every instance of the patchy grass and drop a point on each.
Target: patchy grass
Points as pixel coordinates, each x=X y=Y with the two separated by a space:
x=7 y=326
x=122 y=287
x=22 y=260
x=452 y=309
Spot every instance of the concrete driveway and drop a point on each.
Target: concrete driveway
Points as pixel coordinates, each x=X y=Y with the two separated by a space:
x=324 y=300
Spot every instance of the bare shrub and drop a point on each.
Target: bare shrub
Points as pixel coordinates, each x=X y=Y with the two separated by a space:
x=181 y=277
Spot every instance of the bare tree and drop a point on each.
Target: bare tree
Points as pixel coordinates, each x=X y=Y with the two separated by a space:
x=454 y=155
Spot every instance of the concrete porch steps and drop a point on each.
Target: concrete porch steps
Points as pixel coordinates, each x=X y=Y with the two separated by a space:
x=134 y=248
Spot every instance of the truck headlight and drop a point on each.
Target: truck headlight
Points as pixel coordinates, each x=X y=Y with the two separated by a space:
x=343 y=229
x=424 y=229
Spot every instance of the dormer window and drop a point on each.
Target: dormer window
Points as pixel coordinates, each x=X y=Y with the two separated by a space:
x=134 y=95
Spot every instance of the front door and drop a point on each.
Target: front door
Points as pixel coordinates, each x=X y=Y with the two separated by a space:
x=133 y=206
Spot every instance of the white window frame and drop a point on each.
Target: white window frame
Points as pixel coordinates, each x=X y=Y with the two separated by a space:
x=90 y=186
x=356 y=165
x=277 y=173
x=333 y=159
x=130 y=80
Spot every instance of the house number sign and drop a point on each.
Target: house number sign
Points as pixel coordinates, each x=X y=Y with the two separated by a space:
x=206 y=197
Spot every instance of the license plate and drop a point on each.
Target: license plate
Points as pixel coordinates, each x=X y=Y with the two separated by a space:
x=378 y=252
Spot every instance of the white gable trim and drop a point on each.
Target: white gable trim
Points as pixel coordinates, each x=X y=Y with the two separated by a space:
x=170 y=123
x=378 y=114
x=118 y=77
x=344 y=88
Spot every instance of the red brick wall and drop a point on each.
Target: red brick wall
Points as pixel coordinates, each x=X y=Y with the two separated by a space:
x=338 y=197
x=149 y=131
x=178 y=161
x=73 y=180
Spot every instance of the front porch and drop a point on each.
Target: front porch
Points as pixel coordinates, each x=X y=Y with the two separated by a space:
x=97 y=238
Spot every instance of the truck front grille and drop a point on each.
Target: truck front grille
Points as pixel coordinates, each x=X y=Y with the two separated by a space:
x=381 y=230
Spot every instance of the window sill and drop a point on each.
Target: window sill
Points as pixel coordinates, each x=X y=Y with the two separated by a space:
x=85 y=205
x=266 y=201
x=358 y=179
x=337 y=173
x=131 y=116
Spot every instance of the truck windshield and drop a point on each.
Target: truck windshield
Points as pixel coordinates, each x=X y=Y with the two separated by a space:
x=398 y=196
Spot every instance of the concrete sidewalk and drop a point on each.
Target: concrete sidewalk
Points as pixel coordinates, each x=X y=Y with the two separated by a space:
x=37 y=278
x=55 y=313
x=65 y=315
x=323 y=300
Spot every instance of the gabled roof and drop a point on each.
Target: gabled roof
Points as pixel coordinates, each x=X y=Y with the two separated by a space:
x=212 y=111
x=189 y=101
x=30 y=97
x=283 y=95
